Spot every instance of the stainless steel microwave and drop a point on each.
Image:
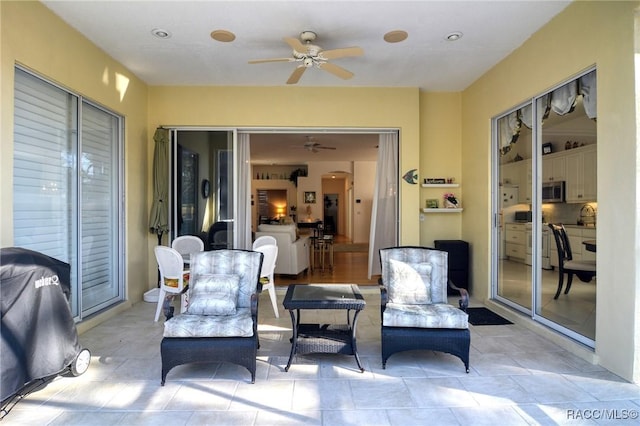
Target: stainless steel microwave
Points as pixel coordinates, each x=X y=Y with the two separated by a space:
x=553 y=192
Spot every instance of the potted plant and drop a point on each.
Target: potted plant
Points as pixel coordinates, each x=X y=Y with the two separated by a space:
x=293 y=177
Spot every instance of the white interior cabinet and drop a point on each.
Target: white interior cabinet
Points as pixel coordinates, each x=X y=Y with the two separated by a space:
x=581 y=175
x=553 y=167
x=516 y=242
x=524 y=192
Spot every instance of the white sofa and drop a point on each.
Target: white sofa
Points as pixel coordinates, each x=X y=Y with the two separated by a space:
x=293 y=251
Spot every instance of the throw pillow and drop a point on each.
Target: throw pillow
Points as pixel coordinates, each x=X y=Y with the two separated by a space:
x=214 y=294
x=409 y=284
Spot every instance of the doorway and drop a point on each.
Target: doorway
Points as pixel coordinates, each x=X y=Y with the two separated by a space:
x=330 y=213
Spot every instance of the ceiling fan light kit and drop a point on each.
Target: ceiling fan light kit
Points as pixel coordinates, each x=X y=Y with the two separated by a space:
x=310 y=55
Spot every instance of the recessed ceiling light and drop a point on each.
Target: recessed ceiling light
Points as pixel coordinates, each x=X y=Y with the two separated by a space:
x=456 y=35
x=223 y=36
x=395 y=36
x=160 y=33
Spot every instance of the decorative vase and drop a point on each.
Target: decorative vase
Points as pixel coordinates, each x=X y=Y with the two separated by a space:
x=449 y=205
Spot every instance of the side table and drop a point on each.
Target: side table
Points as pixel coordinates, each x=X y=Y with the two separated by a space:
x=324 y=338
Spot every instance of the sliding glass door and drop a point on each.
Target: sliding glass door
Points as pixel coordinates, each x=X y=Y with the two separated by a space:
x=67 y=188
x=545 y=172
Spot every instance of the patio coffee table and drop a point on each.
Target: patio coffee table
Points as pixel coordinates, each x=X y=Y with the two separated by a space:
x=324 y=338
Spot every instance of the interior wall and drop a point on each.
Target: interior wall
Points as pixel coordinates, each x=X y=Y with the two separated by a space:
x=550 y=56
x=364 y=178
x=72 y=61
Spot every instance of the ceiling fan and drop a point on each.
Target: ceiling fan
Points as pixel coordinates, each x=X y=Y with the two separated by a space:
x=312 y=145
x=309 y=55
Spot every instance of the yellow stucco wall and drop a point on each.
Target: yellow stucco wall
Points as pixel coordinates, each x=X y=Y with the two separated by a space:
x=440 y=157
x=35 y=38
x=567 y=45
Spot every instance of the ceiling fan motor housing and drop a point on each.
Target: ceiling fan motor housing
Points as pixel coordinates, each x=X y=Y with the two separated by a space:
x=308 y=36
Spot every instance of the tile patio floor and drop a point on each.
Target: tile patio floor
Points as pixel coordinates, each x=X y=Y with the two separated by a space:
x=516 y=378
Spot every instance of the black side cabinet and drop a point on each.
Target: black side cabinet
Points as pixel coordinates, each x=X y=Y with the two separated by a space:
x=458 y=270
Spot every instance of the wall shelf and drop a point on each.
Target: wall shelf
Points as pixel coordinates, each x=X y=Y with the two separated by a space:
x=440 y=185
x=442 y=210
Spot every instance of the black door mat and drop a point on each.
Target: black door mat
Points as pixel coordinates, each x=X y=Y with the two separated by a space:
x=483 y=316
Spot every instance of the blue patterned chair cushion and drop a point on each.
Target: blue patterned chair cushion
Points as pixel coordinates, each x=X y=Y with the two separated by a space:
x=437 y=315
x=409 y=283
x=213 y=294
x=238 y=325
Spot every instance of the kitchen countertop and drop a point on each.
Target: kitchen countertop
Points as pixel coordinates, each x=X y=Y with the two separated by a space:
x=579 y=226
x=566 y=225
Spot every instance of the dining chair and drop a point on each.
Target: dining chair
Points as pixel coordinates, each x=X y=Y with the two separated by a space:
x=172 y=277
x=585 y=270
x=187 y=245
x=270 y=253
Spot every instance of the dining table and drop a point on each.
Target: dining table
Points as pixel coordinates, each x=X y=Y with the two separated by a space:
x=589 y=245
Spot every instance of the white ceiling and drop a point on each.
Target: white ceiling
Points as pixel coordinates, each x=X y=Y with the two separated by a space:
x=491 y=30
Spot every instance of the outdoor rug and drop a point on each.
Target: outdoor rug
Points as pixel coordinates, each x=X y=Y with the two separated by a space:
x=483 y=316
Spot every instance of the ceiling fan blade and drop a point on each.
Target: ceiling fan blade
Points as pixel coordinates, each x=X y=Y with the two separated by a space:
x=261 y=61
x=335 y=70
x=296 y=74
x=325 y=147
x=341 y=53
x=296 y=44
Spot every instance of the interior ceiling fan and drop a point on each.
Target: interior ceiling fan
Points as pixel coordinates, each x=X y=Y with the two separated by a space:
x=312 y=145
x=309 y=55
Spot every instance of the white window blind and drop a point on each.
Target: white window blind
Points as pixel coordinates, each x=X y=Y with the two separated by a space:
x=43 y=159
x=99 y=204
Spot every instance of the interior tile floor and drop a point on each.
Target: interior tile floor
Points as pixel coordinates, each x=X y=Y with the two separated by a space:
x=516 y=378
x=576 y=310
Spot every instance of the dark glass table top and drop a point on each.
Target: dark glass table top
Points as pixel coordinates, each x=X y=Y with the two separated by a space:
x=323 y=296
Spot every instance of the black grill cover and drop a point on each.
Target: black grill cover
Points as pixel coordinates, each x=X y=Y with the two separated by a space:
x=39 y=336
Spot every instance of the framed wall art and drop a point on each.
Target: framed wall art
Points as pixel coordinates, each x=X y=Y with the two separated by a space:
x=310 y=197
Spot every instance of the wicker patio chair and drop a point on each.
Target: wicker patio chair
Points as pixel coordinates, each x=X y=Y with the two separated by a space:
x=221 y=321
x=414 y=309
